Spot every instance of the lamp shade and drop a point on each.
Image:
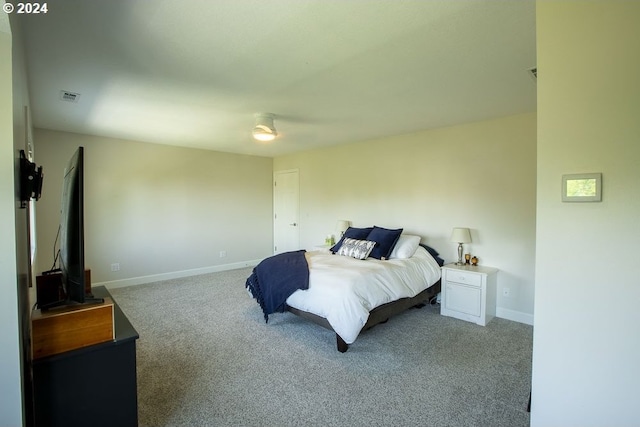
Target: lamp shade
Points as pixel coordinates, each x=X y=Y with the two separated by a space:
x=461 y=235
x=342 y=226
x=264 y=129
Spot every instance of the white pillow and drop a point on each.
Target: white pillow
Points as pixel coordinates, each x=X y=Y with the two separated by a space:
x=406 y=246
x=359 y=249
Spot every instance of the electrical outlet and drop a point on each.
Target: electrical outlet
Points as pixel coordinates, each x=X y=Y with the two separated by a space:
x=506 y=292
x=223 y=254
x=115 y=266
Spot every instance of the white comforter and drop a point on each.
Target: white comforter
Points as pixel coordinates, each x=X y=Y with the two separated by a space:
x=343 y=290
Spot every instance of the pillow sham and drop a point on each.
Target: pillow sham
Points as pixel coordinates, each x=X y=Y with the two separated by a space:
x=406 y=246
x=352 y=233
x=386 y=239
x=359 y=249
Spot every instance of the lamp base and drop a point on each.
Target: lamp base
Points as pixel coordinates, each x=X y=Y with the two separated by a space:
x=459 y=254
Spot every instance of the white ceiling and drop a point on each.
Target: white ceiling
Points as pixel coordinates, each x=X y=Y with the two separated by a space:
x=194 y=72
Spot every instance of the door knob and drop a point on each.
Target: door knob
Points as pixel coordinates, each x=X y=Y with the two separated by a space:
x=294 y=224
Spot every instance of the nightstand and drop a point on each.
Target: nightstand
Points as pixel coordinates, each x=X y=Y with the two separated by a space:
x=469 y=293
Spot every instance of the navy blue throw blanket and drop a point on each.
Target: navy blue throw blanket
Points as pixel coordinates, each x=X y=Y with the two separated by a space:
x=277 y=277
x=434 y=254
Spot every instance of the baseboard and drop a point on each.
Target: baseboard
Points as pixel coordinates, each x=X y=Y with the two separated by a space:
x=174 y=275
x=516 y=316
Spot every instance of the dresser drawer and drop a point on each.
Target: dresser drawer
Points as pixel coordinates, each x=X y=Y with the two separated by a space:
x=470 y=279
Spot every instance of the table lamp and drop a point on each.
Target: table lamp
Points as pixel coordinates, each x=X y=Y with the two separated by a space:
x=460 y=235
x=342 y=226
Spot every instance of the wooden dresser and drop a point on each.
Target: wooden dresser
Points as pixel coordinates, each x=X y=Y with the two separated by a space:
x=90 y=386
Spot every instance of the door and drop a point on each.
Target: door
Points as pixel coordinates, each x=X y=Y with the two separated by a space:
x=286 y=234
x=464 y=299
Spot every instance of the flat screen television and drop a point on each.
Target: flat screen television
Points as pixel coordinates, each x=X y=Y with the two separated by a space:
x=71 y=236
x=71 y=255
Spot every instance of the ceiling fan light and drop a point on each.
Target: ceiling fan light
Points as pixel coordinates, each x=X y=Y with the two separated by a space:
x=264 y=129
x=263 y=133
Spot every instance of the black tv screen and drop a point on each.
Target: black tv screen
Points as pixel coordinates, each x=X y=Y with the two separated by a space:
x=72 y=229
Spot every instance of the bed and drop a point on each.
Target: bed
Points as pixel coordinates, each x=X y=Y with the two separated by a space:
x=345 y=293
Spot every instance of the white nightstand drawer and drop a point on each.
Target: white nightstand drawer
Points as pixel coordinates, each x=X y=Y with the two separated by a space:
x=464 y=277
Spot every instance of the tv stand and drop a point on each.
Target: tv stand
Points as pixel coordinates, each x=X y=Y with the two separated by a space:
x=62 y=303
x=94 y=385
x=93 y=300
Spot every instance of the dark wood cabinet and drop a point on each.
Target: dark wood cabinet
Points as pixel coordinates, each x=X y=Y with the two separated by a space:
x=92 y=386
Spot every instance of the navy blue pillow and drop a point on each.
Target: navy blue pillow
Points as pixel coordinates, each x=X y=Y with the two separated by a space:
x=385 y=241
x=352 y=233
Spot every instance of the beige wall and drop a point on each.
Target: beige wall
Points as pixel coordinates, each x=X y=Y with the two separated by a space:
x=158 y=211
x=15 y=304
x=10 y=367
x=586 y=345
x=478 y=175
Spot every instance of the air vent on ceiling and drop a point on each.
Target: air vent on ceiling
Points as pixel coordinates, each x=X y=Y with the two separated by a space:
x=533 y=72
x=67 y=96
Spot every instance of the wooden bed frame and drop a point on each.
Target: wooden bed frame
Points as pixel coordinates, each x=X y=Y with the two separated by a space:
x=378 y=315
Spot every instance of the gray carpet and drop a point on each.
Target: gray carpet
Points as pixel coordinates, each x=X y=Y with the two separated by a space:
x=207 y=358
